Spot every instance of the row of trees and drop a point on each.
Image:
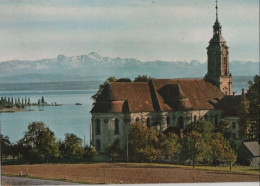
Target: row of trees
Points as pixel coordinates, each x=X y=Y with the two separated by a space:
x=200 y=143
x=10 y=102
x=40 y=145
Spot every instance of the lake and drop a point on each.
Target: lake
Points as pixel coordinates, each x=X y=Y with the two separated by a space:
x=67 y=118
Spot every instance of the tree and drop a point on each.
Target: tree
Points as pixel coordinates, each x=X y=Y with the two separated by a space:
x=217 y=147
x=142 y=78
x=253 y=111
x=39 y=142
x=223 y=126
x=249 y=114
x=124 y=80
x=113 y=150
x=71 y=147
x=102 y=86
x=201 y=126
x=138 y=138
x=196 y=141
x=143 y=143
x=169 y=144
x=90 y=152
x=5 y=145
x=194 y=147
x=3 y=103
x=228 y=154
x=42 y=100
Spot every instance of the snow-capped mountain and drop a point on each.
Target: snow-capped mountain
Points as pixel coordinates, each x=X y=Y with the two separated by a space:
x=94 y=66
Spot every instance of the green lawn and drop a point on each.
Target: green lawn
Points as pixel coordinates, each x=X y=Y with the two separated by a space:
x=244 y=169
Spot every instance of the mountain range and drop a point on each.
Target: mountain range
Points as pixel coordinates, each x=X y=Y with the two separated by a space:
x=95 y=67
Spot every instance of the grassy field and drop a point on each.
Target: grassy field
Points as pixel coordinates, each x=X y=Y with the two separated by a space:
x=134 y=173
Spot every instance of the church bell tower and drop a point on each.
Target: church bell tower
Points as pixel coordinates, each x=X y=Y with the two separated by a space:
x=218 y=60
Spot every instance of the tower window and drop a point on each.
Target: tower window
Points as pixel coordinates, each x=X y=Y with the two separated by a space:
x=98 y=127
x=116 y=126
x=137 y=119
x=98 y=145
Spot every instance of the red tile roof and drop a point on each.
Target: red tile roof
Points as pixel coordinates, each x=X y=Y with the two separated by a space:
x=198 y=93
x=136 y=93
x=158 y=95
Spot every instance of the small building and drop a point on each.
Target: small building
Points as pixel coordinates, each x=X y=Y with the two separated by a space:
x=249 y=153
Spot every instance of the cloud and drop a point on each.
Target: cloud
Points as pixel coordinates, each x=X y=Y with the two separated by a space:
x=141 y=29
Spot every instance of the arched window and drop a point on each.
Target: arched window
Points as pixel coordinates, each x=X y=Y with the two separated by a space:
x=116 y=126
x=195 y=118
x=216 y=120
x=168 y=121
x=206 y=117
x=180 y=122
x=97 y=126
x=137 y=119
x=148 y=122
x=98 y=145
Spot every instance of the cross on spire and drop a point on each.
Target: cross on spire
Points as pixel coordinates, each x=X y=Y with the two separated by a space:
x=217 y=10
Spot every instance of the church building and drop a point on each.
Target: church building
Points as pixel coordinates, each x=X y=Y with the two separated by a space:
x=164 y=103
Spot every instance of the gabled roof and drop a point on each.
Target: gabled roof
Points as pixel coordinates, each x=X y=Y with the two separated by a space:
x=194 y=93
x=137 y=95
x=253 y=147
x=158 y=95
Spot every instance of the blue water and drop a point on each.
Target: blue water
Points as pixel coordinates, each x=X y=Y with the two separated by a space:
x=67 y=118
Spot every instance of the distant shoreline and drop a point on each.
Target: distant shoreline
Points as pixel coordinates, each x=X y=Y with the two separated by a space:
x=13 y=110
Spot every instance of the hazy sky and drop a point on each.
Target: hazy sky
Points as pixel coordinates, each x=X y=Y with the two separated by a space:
x=143 y=29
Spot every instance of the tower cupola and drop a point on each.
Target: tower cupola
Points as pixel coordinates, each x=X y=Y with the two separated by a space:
x=218 y=59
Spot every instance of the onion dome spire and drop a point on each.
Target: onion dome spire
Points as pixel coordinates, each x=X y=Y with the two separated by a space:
x=217 y=27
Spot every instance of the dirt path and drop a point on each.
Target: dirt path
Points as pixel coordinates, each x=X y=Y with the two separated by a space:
x=29 y=181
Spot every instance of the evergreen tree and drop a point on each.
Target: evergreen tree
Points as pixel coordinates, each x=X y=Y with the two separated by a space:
x=42 y=100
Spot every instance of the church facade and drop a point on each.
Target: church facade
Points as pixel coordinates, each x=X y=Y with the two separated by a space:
x=163 y=103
